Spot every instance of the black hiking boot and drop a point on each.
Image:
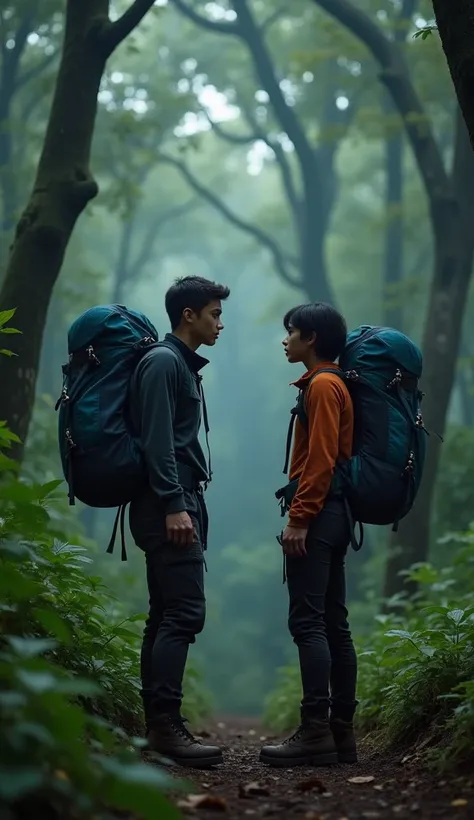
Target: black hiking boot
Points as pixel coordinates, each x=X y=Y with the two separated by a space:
x=311 y=745
x=344 y=738
x=169 y=737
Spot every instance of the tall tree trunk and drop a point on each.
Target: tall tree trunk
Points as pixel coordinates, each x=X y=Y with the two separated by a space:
x=121 y=273
x=316 y=216
x=455 y=20
x=62 y=189
x=394 y=238
x=9 y=76
x=454 y=250
x=465 y=384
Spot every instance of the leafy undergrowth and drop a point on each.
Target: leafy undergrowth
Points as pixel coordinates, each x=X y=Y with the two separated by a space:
x=416 y=675
x=69 y=659
x=68 y=668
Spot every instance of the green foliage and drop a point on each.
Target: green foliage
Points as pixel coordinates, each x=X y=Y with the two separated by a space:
x=425 y=32
x=68 y=667
x=68 y=671
x=5 y=316
x=416 y=672
x=282 y=707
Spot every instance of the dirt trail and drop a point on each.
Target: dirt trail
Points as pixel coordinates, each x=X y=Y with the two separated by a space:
x=243 y=788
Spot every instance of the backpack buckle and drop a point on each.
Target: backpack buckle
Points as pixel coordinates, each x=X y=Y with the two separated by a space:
x=69 y=439
x=352 y=375
x=396 y=379
x=91 y=355
x=410 y=463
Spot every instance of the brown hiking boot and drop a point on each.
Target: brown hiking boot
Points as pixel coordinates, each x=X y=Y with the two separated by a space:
x=344 y=738
x=169 y=737
x=311 y=745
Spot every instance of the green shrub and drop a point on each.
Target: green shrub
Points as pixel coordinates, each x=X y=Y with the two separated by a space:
x=68 y=665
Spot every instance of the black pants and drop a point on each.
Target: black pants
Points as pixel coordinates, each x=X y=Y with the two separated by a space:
x=318 y=617
x=177 y=604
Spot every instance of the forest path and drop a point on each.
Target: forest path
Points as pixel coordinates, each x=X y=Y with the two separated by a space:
x=393 y=786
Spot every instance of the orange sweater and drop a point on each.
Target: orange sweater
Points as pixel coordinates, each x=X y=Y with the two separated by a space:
x=329 y=438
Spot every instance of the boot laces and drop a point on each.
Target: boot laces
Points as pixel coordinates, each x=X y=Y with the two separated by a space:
x=180 y=726
x=300 y=732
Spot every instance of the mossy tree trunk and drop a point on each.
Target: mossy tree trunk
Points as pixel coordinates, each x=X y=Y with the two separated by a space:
x=62 y=188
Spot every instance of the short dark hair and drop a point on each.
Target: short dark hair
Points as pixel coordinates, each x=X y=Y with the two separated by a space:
x=193 y=292
x=323 y=320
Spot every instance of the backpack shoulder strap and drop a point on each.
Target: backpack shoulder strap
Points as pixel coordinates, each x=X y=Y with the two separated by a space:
x=301 y=405
x=299 y=411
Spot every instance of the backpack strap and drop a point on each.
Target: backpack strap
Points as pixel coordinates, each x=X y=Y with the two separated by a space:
x=299 y=411
x=120 y=517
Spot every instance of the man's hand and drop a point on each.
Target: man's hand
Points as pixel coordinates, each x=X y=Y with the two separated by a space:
x=294 y=541
x=180 y=529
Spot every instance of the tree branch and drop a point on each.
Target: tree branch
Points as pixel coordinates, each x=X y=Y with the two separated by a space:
x=280 y=259
x=114 y=33
x=289 y=122
x=228 y=136
x=281 y=159
x=396 y=78
x=273 y=17
x=204 y=22
x=153 y=230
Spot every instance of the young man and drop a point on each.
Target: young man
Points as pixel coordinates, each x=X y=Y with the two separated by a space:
x=169 y=522
x=315 y=542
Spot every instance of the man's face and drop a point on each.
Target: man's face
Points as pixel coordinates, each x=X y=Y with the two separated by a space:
x=296 y=348
x=207 y=324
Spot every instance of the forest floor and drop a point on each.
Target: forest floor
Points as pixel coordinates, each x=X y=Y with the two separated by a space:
x=388 y=786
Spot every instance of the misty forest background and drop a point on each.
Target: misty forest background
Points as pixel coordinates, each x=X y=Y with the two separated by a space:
x=277 y=151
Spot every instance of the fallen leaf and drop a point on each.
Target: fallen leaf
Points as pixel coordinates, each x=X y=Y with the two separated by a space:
x=310 y=784
x=312 y=815
x=203 y=801
x=459 y=802
x=253 y=789
x=61 y=775
x=360 y=779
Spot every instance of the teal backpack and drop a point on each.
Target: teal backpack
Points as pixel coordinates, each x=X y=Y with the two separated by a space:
x=101 y=458
x=381 y=368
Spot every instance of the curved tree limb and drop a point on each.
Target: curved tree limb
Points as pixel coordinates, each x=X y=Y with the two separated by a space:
x=273 y=17
x=205 y=22
x=257 y=133
x=281 y=260
x=229 y=136
x=155 y=227
x=281 y=158
x=113 y=33
x=251 y=34
x=395 y=77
